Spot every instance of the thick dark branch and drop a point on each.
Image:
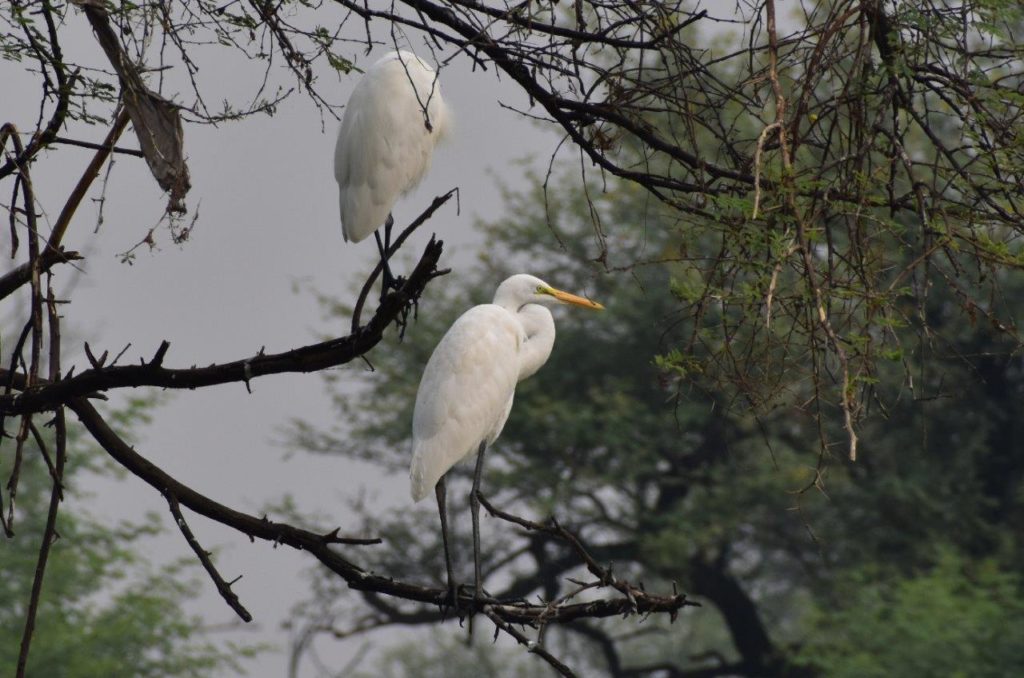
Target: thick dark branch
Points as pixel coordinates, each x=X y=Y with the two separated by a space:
x=256 y=528
x=306 y=359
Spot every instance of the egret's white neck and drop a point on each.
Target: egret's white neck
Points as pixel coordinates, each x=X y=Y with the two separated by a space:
x=539 y=327
x=509 y=299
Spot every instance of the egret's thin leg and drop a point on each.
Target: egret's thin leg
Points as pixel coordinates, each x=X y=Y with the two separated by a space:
x=443 y=511
x=474 y=503
x=387 y=279
x=388 y=224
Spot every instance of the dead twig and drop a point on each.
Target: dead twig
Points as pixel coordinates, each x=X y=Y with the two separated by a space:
x=223 y=587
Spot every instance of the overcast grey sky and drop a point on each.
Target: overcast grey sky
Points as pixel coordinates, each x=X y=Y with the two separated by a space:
x=268 y=224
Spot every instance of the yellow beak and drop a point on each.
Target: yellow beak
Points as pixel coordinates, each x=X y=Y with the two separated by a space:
x=567 y=298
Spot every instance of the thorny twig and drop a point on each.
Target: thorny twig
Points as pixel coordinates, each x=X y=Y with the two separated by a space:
x=223 y=587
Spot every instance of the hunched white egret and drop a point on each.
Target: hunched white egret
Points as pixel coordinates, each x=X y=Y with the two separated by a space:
x=466 y=392
x=392 y=122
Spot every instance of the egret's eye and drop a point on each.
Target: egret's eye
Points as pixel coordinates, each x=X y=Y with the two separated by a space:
x=540 y=289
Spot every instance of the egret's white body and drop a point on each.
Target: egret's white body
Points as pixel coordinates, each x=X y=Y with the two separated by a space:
x=392 y=122
x=467 y=388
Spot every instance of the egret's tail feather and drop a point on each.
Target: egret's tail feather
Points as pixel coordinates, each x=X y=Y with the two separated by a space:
x=421 y=479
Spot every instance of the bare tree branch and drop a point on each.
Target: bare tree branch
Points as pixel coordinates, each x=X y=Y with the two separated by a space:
x=223 y=587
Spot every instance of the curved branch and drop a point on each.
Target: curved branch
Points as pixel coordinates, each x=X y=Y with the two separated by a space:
x=318 y=545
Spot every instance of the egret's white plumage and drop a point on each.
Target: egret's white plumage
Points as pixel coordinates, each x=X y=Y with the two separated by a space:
x=392 y=122
x=467 y=388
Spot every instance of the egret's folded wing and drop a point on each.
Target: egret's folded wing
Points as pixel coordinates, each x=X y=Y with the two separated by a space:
x=465 y=393
x=384 y=147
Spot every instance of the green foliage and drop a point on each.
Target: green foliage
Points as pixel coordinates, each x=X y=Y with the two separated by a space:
x=957 y=618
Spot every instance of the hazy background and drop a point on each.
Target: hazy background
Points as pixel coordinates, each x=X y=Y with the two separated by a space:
x=268 y=233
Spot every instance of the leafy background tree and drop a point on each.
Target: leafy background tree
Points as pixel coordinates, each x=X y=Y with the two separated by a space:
x=906 y=561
